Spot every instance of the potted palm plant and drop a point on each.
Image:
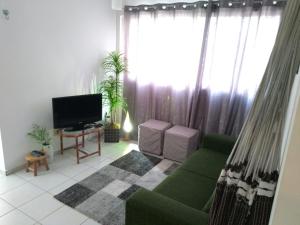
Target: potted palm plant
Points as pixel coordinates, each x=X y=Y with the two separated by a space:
x=42 y=136
x=111 y=89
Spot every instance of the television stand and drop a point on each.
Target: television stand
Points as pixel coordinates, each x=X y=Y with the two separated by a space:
x=66 y=133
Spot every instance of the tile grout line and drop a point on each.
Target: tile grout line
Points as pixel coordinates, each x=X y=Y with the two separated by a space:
x=45 y=190
x=15 y=186
x=84 y=221
x=13 y=207
x=35 y=221
x=48 y=191
x=40 y=220
x=63 y=205
x=24 y=203
x=107 y=158
x=16 y=208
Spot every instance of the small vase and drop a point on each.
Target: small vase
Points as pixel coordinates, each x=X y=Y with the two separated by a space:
x=48 y=150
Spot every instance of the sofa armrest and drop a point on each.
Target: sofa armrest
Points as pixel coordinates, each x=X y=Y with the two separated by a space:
x=151 y=208
x=217 y=142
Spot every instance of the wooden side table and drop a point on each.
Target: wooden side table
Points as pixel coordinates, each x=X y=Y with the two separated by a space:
x=77 y=146
x=33 y=162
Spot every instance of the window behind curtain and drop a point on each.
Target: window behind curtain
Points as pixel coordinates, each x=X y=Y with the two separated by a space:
x=239 y=45
x=164 y=47
x=196 y=67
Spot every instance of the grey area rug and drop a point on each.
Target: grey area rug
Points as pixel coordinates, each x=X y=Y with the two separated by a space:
x=102 y=195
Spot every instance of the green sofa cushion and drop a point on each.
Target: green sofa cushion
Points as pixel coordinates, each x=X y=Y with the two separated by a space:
x=188 y=188
x=206 y=162
x=151 y=208
x=220 y=143
x=208 y=204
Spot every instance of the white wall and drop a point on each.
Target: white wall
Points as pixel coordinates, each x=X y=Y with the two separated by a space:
x=286 y=207
x=2 y=165
x=48 y=48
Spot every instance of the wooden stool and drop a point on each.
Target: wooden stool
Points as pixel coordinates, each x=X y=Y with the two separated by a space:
x=33 y=163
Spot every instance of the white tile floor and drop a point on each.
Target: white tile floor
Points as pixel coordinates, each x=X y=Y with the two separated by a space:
x=28 y=200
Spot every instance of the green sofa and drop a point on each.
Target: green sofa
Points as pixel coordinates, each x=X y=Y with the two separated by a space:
x=184 y=198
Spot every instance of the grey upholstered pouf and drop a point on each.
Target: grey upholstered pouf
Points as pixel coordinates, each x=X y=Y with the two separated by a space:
x=151 y=136
x=180 y=142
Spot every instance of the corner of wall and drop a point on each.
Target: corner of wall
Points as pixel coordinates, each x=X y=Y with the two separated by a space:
x=2 y=164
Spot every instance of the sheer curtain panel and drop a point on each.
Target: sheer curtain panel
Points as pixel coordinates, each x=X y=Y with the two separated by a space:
x=197 y=64
x=239 y=43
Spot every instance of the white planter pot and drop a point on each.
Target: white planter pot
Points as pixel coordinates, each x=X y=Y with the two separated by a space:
x=48 y=149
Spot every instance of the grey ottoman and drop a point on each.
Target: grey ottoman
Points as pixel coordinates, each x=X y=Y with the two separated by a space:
x=151 y=136
x=180 y=142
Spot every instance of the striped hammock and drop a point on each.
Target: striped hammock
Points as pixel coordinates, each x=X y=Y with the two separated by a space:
x=246 y=186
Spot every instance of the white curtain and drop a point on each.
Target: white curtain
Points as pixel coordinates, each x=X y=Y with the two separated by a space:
x=164 y=47
x=195 y=67
x=240 y=42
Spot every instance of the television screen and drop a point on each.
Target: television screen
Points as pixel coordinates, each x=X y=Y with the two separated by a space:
x=76 y=111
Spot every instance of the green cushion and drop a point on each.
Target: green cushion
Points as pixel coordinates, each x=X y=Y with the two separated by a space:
x=208 y=204
x=186 y=196
x=188 y=188
x=206 y=162
x=220 y=143
x=151 y=208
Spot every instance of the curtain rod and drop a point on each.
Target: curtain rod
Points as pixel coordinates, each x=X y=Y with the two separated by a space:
x=206 y=4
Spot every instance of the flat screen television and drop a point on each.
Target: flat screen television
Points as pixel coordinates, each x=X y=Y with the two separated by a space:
x=76 y=112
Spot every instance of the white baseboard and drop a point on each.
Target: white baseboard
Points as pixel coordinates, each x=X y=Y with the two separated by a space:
x=15 y=169
x=20 y=167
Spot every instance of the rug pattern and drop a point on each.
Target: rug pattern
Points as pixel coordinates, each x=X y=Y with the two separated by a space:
x=102 y=195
